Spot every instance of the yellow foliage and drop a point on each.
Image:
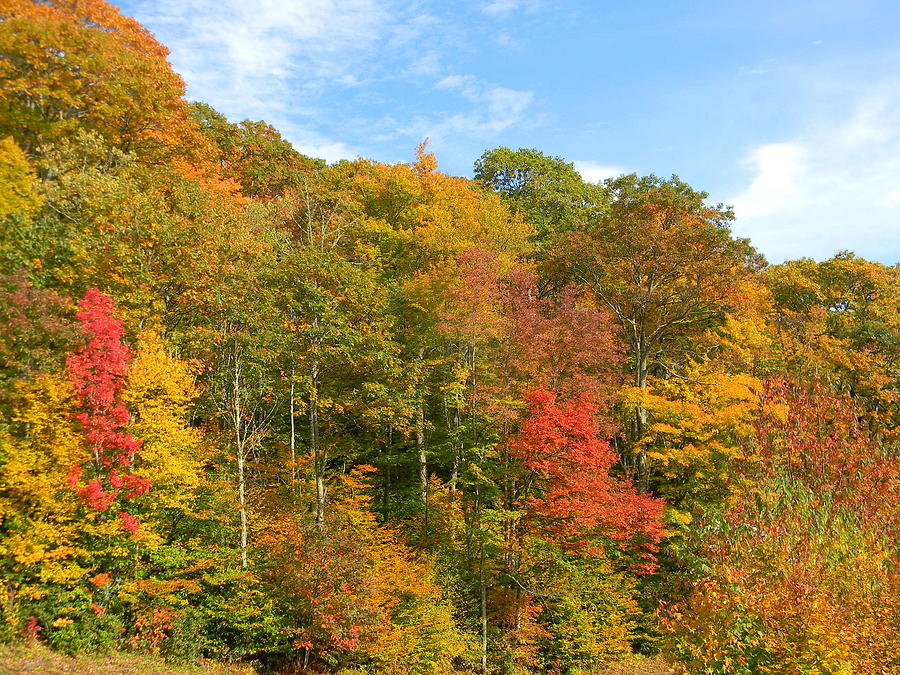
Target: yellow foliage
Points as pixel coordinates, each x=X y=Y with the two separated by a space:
x=697 y=421
x=36 y=467
x=417 y=632
x=159 y=393
x=42 y=542
x=433 y=213
x=17 y=196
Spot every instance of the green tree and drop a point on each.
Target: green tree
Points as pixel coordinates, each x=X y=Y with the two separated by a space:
x=842 y=316
x=548 y=191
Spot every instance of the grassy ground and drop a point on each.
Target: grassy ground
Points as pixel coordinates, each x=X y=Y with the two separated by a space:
x=638 y=665
x=39 y=659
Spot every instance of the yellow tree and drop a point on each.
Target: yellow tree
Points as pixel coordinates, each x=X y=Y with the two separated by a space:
x=40 y=546
x=19 y=203
x=159 y=393
x=840 y=319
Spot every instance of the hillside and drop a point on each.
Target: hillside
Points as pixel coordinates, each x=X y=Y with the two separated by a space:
x=263 y=410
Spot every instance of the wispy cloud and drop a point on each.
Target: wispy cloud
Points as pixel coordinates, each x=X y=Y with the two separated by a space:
x=594 y=172
x=304 y=65
x=834 y=187
x=503 y=8
x=494 y=110
x=268 y=58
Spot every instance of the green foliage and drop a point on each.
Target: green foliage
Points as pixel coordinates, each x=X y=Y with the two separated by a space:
x=547 y=191
x=85 y=633
x=254 y=154
x=382 y=410
x=843 y=316
x=590 y=609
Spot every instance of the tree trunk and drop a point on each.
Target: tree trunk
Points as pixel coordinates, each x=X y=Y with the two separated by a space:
x=423 y=459
x=315 y=447
x=640 y=417
x=293 y=440
x=242 y=501
x=484 y=634
x=241 y=448
x=457 y=449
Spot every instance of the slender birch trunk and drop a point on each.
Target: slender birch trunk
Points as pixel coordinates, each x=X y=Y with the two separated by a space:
x=240 y=437
x=315 y=445
x=423 y=458
x=293 y=438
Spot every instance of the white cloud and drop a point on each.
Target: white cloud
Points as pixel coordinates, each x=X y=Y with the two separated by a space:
x=780 y=169
x=506 y=40
x=327 y=150
x=267 y=59
x=835 y=187
x=594 y=172
x=315 y=68
x=240 y=50
x=505 y=106
x=463 y=83
x=504 y=8
x=495 y=109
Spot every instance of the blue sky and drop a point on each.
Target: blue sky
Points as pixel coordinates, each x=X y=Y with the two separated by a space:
x=788 y=110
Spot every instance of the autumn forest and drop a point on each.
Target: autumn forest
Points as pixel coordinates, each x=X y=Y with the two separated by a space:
x=267 y=412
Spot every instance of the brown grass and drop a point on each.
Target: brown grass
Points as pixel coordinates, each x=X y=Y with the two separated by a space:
x=639 y=665
x=40 y=659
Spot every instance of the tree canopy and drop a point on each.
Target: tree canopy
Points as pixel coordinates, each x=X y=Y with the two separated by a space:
x=363 y=417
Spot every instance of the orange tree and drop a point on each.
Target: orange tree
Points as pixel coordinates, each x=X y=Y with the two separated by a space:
x=70 y=65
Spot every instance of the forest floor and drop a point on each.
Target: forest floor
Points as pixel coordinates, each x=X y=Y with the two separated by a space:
x=41 y=660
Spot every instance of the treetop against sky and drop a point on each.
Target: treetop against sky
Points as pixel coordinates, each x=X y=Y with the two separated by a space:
x=788 y=110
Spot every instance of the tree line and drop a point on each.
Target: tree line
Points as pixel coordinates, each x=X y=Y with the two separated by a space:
x=260 y=408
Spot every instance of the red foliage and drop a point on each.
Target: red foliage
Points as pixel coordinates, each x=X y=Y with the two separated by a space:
x=98 y=372
x=560 y=343
x=95 y=496
x=74 y=475
x=129 y=522
x=100 y=580
x=473 y=302
x=815 y=436
x=31 y=630
x=576 y=498
x=557 y=342
x=135 y=485
x=325 y=580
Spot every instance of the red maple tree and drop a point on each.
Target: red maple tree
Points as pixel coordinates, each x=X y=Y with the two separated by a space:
x=574 y=499
x=97 y=373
